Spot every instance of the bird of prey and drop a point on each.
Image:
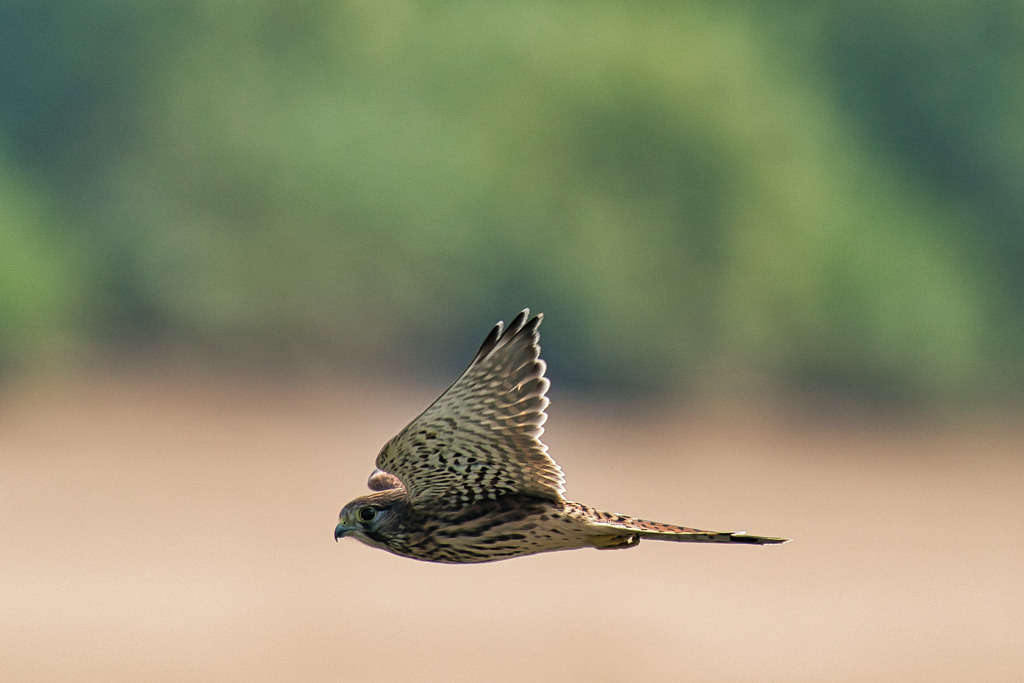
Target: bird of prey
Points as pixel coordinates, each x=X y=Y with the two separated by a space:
x=469 y=480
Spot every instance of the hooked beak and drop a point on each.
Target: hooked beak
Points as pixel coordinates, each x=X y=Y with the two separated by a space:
x=341 y=531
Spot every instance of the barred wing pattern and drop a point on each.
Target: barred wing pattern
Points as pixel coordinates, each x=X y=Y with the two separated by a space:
x=481 y=438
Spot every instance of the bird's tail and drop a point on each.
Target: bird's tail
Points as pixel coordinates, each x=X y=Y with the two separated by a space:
x=625 y=531
x=670 y=532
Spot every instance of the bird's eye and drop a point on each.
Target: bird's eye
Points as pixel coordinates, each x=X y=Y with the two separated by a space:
x=367 y=514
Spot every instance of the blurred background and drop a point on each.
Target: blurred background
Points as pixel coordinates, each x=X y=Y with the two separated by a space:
x=781 y=254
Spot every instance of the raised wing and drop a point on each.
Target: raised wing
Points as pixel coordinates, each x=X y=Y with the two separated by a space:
x=481 y=438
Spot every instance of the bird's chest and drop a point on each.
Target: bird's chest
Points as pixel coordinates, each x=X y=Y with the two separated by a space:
x=489 y=530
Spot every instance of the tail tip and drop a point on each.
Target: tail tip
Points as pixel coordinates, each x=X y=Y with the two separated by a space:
x=744 y=537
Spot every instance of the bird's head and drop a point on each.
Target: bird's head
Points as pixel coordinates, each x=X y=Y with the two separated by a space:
x=369 y=518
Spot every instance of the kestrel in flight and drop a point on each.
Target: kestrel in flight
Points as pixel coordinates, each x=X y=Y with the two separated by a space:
x=469 y=480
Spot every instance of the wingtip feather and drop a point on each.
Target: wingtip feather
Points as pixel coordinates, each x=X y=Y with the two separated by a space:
x=501 y=335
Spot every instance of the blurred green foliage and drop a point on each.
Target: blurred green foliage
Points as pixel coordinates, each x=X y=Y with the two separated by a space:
x=37 y=278
x=700 y=196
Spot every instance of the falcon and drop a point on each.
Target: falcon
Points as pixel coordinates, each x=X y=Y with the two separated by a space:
x=469 y=480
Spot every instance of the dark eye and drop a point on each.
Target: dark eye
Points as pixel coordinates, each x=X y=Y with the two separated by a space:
x=367 y=514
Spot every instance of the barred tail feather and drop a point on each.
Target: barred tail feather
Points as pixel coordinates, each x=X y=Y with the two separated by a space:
x=634 y=529
x=701 y=536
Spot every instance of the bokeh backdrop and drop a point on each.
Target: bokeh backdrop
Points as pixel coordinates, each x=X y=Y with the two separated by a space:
x=780 y=247
x=704 y=198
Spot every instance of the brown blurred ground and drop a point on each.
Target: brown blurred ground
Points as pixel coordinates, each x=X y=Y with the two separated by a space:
x=171 y=526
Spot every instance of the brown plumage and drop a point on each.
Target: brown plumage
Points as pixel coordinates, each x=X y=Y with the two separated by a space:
x=470 y=481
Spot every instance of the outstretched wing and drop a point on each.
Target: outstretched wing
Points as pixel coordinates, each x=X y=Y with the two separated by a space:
x=481 y=438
